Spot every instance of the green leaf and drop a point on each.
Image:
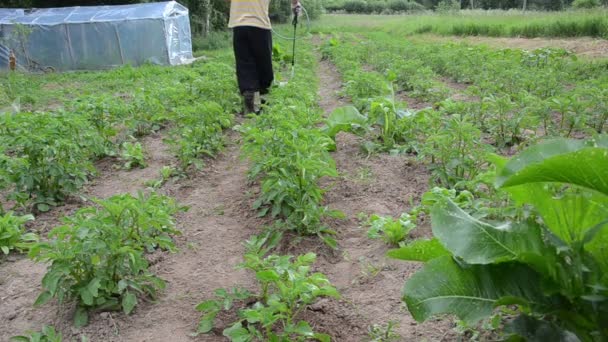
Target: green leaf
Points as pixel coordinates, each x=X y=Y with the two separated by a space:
x=208 y=305
x=419 y=250
x=559 y=160
x=252 y=316
x=43 y=207
x=129 y=301
x=20 y=339
x=322 y=337
x=43 y=298
x=477 y=242
x=206 y=323
x=81 y=317
x=573 y=216
x=267 y=276
x=343 y=119
x=86 y=296
x=5 y=249
x=329 y=241
x=236 y=333
x=471 y=293
x=534 y=330
x=303 y=329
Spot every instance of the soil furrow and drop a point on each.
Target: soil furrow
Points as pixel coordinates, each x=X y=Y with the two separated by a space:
x=381 y=184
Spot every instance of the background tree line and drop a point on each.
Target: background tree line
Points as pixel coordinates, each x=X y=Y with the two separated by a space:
x=209 y=15
x=206 y=15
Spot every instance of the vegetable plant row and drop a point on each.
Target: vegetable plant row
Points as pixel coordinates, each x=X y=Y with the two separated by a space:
x=524 y=239
x=47 y=156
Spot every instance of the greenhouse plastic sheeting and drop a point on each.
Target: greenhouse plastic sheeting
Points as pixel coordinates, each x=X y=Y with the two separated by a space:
x=96 y=37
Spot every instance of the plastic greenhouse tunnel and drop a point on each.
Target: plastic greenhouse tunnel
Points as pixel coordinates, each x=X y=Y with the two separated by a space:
x=95 y=37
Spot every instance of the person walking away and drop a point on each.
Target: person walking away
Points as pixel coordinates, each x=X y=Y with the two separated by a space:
x=252 y=43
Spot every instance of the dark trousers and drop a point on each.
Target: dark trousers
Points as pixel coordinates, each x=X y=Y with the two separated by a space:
x=253 y=53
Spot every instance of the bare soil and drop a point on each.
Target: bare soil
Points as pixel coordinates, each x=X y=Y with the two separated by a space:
x=370 y=283
x=583 y=46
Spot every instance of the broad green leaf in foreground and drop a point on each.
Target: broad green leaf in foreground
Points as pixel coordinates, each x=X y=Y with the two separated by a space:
x=477 y=242
x=471 y=293
x=419 y=250
x=344 y=119
x=576 y=211
x=560 y=160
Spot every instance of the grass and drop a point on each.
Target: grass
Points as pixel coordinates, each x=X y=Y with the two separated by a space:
x=591 y=23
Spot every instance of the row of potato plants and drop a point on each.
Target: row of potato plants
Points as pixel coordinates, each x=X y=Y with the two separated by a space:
x=512 y=90
x=430 y=133
x=289 y=155
x=538 y=256
x=47 y=156
x=98 y=258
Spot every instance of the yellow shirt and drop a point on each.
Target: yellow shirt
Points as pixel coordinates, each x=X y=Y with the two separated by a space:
x=249 y=13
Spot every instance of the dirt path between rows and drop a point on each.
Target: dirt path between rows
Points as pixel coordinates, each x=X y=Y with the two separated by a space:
x=581 y=46
x=369 y=282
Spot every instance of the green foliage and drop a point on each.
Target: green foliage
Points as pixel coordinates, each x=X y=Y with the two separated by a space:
x=405 y=6
x=47 y=334
x=383 y=333
x=344 y=119
x=199 y=132
x=133 y=155
x=97 y=257
x=563 y=260
x=456 y=152
x=376 y=6
x=13 y=235
x=448 y=6
x=419 y=250
x=289 y=156
x=166 y=173
x=393 y=232
x=287 y=287
x=291 y=160
x=47 y=156
x=586 y=3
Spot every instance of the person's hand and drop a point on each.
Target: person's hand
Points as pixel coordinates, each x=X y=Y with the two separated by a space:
x=296 y=7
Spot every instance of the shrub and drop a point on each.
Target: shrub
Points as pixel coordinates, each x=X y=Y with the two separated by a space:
x=585 y=3
x=355 y=6
x=376 y=7
x=405 y=6
x=448 y=6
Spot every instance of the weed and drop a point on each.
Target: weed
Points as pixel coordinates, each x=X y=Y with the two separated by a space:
x=133 y=155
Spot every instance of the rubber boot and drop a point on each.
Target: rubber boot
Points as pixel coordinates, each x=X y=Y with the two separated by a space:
x=248 y=102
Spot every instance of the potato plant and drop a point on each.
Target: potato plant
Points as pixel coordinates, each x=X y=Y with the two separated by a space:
x=46 y=167
x=198 y=132
x=391 y=231
x=13 y=235
x=289 y=156
x=97 y=258
x=287 y=287
x=133 y=155
x=46 y=334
